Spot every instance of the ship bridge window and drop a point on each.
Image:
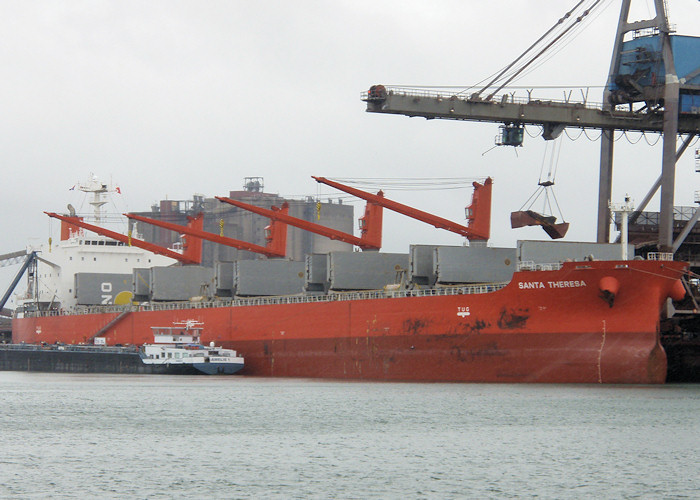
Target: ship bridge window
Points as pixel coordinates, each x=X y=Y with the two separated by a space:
x=87 y=242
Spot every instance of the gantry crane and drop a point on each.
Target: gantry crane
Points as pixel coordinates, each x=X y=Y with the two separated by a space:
x=655 y=75
x=14 y=257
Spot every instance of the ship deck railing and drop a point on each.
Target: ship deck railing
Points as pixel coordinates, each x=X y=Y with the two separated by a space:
x=281 y=299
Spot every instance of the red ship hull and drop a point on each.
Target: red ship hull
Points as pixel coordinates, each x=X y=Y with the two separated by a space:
x=558 y=326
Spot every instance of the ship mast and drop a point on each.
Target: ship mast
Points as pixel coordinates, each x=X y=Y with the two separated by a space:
x=99 y=192
x=623 y=210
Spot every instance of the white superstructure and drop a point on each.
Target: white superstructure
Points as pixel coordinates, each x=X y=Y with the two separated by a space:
x=99 y=265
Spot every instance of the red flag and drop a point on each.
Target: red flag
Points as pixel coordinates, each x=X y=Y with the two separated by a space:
x=118 y=190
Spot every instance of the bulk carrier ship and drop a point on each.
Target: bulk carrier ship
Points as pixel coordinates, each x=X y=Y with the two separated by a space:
x=466 y=313
x=580 y=321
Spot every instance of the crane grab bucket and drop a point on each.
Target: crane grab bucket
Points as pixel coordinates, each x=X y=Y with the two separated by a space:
x=548 y=222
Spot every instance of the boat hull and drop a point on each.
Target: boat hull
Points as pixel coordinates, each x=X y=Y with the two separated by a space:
x=544 y=358
x=544 y=326
x=31 y=358
x=218 y=368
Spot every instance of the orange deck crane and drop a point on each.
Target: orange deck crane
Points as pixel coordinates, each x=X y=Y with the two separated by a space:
x=275 y=234
x=370 y=224
x=192 y=253
x=478 y=213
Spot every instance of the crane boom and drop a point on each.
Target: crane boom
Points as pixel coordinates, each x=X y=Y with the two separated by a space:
x=125 y=239
x=552 y=115
x=366 y=243
x=222 y=240
x=481 y=234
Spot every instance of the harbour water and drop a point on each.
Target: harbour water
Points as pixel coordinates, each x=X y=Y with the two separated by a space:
x=141 y=436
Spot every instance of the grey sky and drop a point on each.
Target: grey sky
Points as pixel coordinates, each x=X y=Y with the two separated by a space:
x=171 y=98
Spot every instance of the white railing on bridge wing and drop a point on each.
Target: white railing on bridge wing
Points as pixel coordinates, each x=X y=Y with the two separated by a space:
x=529 y=265
x=276 y=300
x=660 y=256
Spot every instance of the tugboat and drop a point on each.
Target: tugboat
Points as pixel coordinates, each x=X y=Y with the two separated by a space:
x=179 y=349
